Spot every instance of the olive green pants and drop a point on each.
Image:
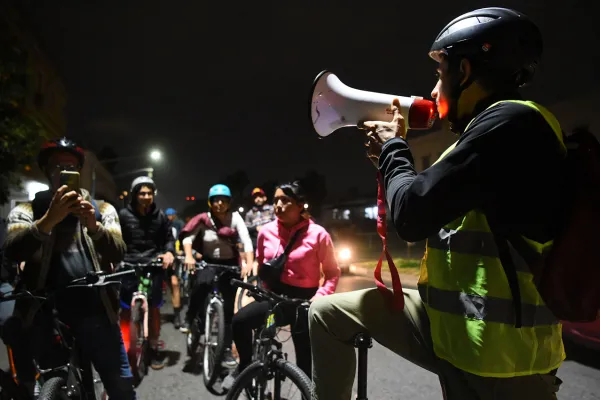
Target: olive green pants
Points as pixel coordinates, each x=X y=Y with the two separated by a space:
x=336 y=319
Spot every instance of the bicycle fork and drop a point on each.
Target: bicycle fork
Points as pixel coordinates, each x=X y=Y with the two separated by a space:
x=363 y=343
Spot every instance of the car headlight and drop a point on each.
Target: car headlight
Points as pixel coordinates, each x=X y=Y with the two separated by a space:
x=345 y=254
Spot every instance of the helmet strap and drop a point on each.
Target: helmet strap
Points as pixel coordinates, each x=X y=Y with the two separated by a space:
x=458 y=124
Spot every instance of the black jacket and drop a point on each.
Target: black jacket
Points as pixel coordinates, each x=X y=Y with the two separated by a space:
x=146 y=236
x=508 y=164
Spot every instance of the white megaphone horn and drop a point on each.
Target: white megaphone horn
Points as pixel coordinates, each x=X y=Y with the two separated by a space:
x=335 y=105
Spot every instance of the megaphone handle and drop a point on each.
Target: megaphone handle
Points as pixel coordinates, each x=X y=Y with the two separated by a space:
x=395 y=299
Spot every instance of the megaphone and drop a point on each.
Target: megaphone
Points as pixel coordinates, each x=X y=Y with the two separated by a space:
x=335 y=105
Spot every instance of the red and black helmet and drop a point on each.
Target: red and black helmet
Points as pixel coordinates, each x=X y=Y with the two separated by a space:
x=62 y=144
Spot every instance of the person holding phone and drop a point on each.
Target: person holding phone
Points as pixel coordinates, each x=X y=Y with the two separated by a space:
x=61 y=235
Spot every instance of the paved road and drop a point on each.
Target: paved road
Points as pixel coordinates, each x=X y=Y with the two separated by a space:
x=390 y=377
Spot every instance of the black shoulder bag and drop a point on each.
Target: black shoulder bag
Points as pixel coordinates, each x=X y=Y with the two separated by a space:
x=270 y=271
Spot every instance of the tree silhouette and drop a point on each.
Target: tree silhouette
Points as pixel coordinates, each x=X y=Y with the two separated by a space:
x=20 y=134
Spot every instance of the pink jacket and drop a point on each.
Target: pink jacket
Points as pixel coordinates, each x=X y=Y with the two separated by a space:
x=312 y=251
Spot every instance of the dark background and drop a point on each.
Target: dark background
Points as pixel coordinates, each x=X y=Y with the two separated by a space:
x=224 y=86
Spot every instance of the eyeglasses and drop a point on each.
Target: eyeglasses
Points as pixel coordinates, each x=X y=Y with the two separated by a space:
x=59 y=168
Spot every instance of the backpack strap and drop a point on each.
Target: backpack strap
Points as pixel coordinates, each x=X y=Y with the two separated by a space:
x=511 y=275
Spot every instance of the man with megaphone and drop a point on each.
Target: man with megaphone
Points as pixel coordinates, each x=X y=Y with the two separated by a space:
x=502 y=177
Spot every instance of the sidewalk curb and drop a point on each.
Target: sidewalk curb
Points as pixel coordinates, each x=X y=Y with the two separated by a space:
x=408 y=281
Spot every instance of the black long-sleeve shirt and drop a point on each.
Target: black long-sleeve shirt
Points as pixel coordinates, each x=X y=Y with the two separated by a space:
x=508 y=164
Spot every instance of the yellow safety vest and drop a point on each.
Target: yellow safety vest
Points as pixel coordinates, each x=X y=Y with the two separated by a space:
x=469 y=303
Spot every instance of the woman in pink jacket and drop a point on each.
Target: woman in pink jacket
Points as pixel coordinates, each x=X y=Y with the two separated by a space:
x=311 y=253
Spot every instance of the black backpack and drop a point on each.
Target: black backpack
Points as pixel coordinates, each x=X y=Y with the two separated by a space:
x=568 y=277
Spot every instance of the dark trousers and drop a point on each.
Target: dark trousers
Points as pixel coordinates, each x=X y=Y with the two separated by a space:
x=202 y=288
x=253 y=316
x=100 y=341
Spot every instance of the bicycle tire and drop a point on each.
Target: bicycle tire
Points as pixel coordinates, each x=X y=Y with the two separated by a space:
x=243 y=298
x=52 y=389
x=256 y=369
x=137 y=351
x=210 y=373
x=99 y=390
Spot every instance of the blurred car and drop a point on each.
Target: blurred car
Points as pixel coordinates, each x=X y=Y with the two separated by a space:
x=344 y=255
x=586 y=334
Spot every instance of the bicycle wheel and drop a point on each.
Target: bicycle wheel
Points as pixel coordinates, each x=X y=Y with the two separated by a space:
x=214 y=341
x=53 y=389
x=243 y=297
x=258 y=382
x=137 y=344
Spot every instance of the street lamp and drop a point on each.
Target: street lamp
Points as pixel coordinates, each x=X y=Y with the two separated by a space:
x=154 y=155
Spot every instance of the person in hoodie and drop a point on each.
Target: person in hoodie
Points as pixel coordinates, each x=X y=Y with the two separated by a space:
x=148 y=234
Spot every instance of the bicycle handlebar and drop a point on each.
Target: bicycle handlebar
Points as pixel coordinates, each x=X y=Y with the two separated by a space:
x=204 y=264
x=158 y=263
x=92 y=279
x=268 y=295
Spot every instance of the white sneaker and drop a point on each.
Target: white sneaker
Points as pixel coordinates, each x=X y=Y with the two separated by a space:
x=230 y=379
x=228 y=360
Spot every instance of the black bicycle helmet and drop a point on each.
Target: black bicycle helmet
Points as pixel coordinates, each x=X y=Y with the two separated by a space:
x=62 y=144
x=504 y=39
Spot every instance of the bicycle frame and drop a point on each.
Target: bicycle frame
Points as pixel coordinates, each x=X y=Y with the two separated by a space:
x=266 y=336
x=144 y=292
x=363 y=343
x=143 y=295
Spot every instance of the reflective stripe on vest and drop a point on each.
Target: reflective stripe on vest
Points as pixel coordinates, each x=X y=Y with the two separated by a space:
x=469 y=302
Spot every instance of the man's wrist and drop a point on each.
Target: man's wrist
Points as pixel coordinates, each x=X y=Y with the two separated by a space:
x=45 y=225
x=94 y=229
x=97 y=234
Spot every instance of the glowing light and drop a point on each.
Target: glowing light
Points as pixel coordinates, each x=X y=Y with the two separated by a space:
x=33 y=187
x=442 y=108
x=155 y=155
x=345 y=254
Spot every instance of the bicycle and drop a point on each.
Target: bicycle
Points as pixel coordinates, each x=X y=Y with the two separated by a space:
x=135 y=336
x=77 y=377
x=213 y=345
x=269 y=361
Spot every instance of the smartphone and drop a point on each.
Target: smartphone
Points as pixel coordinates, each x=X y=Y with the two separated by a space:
x=71 y=179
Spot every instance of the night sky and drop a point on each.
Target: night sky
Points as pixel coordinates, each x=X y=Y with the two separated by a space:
x=220 y=86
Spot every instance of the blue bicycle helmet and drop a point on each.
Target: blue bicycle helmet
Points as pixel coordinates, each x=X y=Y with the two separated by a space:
x=170 y=211
x=219 y=190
